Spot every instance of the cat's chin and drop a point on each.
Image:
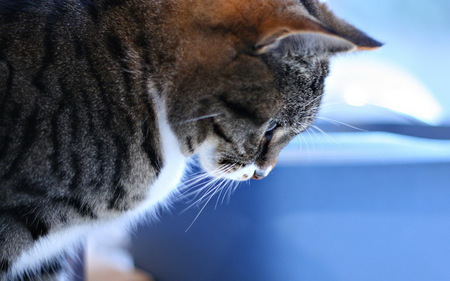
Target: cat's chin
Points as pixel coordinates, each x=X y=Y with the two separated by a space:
x=206 y=156
x=241 y=174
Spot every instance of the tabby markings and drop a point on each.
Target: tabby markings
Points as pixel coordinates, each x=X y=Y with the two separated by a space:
x=219 y=131
x=240 y=110
x=8 y=141
x=118 y=51
x=4 y=265
x=49 y=51
x=28 y=218
x=189 y=144
x=119 y=191
x=81 y=207
x=150 y=145
x=30 y=134
x=33 y=190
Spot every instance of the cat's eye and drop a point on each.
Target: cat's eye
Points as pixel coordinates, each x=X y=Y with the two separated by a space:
x=272 y=125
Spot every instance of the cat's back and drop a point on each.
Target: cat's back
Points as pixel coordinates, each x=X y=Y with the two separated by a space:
x=71 y=104
x=30 y=30
x=36 y=35
x=37 y=49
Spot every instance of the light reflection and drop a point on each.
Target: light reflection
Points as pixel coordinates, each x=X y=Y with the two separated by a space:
x=361 y=83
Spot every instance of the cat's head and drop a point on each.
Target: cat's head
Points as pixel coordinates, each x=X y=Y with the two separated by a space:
x=250 y=76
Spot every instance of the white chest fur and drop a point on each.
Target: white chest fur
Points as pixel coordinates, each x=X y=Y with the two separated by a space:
x=172 y=171
x=158 y=194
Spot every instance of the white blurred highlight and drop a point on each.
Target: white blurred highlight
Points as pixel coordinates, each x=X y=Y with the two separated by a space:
x=358 y=83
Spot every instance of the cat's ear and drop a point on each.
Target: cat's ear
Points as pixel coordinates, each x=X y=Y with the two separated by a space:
x=309 y=37
x=306 y=43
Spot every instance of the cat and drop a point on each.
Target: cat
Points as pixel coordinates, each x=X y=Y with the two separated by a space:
x=102 y=102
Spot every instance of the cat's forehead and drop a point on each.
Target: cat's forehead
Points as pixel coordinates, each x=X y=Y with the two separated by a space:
x=250 y=18
x=260 y=26
x=250 y=11
x=301 y=81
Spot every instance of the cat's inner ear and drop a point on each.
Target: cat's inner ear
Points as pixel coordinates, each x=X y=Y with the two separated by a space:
x=304 y=43
x=311 y=38
x=309 y=43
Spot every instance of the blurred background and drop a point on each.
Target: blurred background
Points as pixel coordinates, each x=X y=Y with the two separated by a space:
x=406 y=81
x=364 y=195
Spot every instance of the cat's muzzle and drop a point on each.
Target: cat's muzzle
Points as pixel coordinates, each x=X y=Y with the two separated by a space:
x=262 y=173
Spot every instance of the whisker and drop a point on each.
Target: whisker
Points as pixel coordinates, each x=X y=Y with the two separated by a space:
x=203 y=175
x=324 y=133
x=202 y=190
x=341 y=123
x=222 y=190
x=203 y=195
x=207 y=188
x=311 y=139
x=307 y=146
x=220 y=187
x=299 y=142
x=321 y=107
x=199 y=118
x=190 y=189
x=332 y=103
x=230 y=190
x=199 y=213
x=212 y=188
x=314 y=100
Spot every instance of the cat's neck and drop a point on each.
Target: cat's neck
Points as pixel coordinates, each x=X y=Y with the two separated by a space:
x=174 y=161
x=147 y=29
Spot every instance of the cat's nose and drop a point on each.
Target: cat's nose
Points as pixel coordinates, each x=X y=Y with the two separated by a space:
x=262 y=173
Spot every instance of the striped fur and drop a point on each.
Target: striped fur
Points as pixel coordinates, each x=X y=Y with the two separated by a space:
x=101 y=101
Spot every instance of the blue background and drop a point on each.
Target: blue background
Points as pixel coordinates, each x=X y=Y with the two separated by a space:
x=377 y=208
